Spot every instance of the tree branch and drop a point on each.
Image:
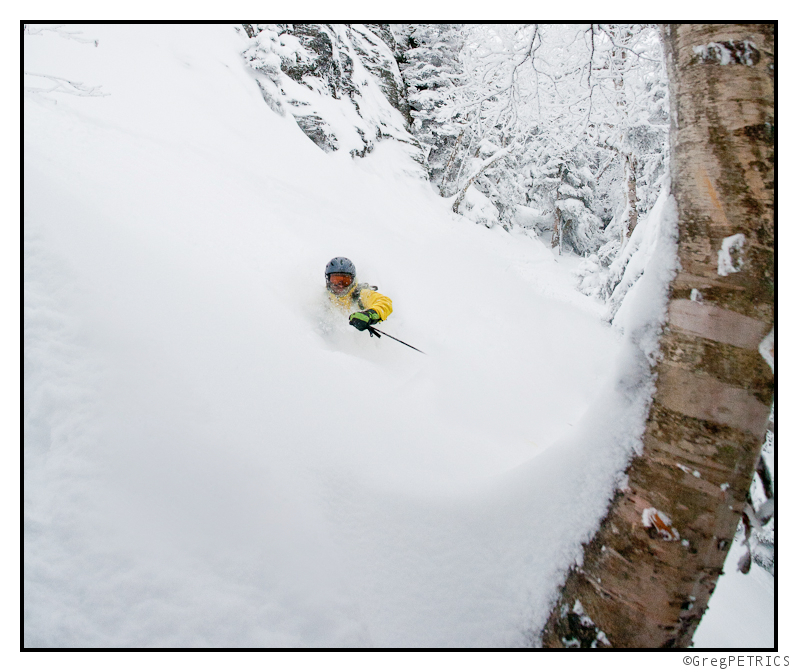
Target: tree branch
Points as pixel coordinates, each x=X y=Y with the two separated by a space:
x=61 y=85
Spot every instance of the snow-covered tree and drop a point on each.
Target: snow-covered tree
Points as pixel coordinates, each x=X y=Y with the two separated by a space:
x=589 y=93
x=430 y=66
x=564 y=188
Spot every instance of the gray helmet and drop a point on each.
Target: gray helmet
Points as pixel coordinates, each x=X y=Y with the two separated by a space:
x=345 y=267
x=339 y=265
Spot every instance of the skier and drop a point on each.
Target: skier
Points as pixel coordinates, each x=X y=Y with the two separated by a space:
x=345 y=292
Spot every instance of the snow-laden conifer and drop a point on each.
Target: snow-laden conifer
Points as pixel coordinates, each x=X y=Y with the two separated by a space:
x=431 y=70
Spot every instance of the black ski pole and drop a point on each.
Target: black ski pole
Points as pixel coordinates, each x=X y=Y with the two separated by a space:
x=376 y=332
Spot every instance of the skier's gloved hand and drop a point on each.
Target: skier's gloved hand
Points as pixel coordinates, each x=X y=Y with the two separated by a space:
x=364 y=319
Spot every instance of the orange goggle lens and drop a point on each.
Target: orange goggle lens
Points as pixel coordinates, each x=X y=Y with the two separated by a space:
x=340 y=279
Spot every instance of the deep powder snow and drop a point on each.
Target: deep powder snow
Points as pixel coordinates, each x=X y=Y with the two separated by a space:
x=213 y=457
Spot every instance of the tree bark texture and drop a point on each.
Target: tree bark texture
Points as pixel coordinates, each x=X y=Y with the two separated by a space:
x=648 y=574
x=555 y=232
x=631 y=194
x=449 y=164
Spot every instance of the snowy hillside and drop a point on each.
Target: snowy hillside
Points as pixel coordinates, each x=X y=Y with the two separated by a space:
x=213 y=457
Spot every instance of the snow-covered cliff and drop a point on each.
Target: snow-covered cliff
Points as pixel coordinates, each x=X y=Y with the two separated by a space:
x=340 y=82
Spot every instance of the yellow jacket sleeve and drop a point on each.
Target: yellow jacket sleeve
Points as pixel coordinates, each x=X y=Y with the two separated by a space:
x=379 y=302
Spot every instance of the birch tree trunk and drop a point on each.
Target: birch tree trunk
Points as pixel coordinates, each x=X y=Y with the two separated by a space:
x=654 y=562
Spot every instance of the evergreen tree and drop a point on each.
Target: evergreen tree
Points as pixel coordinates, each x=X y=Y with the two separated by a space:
x=564 y=187
x=431 y=69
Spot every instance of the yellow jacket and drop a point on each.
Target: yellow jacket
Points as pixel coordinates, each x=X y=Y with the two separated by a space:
x=363 y=297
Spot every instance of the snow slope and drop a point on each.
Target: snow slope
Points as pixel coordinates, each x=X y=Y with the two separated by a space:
x=213 y=457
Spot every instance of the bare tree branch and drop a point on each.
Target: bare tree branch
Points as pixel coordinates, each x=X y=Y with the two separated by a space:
x=61 y=85
x=61 y=32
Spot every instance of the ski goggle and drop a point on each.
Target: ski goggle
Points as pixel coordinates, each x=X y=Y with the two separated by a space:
x=340 y=279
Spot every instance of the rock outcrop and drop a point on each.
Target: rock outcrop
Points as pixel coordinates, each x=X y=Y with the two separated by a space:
x=340 y=82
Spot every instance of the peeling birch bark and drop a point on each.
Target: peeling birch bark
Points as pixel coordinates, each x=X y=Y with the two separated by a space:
x=641 y=586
